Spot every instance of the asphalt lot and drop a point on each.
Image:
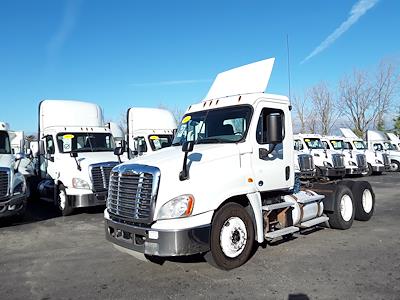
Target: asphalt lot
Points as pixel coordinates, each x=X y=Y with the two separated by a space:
x=45 y=256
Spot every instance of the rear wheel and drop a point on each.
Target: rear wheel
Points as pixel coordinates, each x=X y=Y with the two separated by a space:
x=62 y=201
x=344 y=210
x=232 y=237
x=364 y=199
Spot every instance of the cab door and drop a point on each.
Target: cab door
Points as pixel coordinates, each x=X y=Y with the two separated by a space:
x=272 y=164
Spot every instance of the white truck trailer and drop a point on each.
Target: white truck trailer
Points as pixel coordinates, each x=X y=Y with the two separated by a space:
x=328 y=163
x=148 y=130
x=75 y=154
x=355 y=163
x=377 y=162
x=377 y=140
x=227 y=182
x=13 y=187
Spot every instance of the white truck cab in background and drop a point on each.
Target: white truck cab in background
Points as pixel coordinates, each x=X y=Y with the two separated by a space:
x=227 y=182
x=13 y=187
x=377 y=140
x=75 y=154
x=148 y=130
x=394 y=139
x=328 y=163
x=377 y=162
x=355 y=162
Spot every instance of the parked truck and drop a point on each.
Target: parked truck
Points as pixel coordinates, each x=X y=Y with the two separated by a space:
x=74 y=155
x=148 y=130
x=227 y=182
x=377 y=162
x=13 y=187
x=355 y=163
x=377 y=140
x=328 y=163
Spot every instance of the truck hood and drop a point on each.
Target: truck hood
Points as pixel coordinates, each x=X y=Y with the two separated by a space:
x=7 y=161
x=208 y=165
x=87 y=158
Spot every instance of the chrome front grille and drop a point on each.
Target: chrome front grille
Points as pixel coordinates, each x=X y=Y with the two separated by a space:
x=386 y=160
x=133 y=192
x=306 y=162
x=4 y=182
x=101 y=175
x=361 y=161
x=338 y=160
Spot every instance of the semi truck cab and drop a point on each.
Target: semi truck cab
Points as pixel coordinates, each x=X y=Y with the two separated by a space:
x=13 y=187
x=226 y=183
x=378 y=141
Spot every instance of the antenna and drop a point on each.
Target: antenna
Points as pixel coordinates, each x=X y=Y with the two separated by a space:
x=288 y=65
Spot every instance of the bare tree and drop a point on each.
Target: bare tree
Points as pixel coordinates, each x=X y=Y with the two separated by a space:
x=366 y=99
x=325 y=111
x=300 y=109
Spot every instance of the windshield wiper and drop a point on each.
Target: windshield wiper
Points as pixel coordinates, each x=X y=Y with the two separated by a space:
x=211 y=140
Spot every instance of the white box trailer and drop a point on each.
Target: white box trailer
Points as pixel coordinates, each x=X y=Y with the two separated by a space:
x=13 y=187
x=75 y=154
x=148 y=130
x=227 y=182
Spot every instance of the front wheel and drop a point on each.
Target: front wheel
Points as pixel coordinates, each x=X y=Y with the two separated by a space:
x=394 y=166
x=368 y=171
x=232 y=237
x=62 y=202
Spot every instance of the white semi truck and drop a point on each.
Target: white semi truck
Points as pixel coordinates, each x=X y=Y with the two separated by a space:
x=149 y=130
x=328 y=163
x=13 y=187
x=227 y=182
x=355 y=163
x=377 y=140
x=377 y=162
x=394 y=139
x=75 y=154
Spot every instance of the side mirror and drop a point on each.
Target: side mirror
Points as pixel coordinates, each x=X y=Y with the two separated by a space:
x=274 y=129
x=123 y=144
x=119 y=151
x=19 y=156
x=41 y=147
x=49 y=157
x=297 y=147
x=188 y=146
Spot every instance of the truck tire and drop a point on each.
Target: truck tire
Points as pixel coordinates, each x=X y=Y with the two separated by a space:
x=364 y=199
x=231 y=238
x=62 y=202
x=367 y=172
x=344 y=209
x=394 y=166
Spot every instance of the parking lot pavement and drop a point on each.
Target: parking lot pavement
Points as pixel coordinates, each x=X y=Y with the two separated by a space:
x=45 y=256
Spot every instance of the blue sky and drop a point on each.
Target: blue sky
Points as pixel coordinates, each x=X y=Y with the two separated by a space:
x=121 y=54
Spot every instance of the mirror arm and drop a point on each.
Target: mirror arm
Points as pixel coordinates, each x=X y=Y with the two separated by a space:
x=184 y=174
x=78 y=165
x=264 y=153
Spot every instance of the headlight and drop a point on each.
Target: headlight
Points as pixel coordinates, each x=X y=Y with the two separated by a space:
x=378 y=161
x=179 y=207
x=80 y=183
x=351 y=163
x=18 y=189
x=327 y=164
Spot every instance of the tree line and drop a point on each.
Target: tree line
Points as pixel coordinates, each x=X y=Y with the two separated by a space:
x=361 y=100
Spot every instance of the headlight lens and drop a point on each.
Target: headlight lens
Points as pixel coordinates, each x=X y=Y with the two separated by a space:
x=79 y=183
x=378 y=161
x=327 y=164
x=179 y=207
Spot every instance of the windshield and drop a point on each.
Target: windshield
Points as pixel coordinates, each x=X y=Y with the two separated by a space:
x=158 y=142
x=389 y=146
x=360 y=145
x=85 y=142
x=337 y=144
x=226 y=125
x=313 y=143
x=4 y=143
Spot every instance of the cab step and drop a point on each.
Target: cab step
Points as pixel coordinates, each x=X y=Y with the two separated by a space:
x=276 y=206
x=313 y=222
x=277 y=233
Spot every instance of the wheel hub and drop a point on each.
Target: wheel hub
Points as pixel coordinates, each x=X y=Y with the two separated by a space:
x=233 y=237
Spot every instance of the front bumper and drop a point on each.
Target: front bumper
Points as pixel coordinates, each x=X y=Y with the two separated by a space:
x=380 y=168
x=159 y=242
x=86 y=200
x=12 y=206
x=332 y=172
x=354 y=171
